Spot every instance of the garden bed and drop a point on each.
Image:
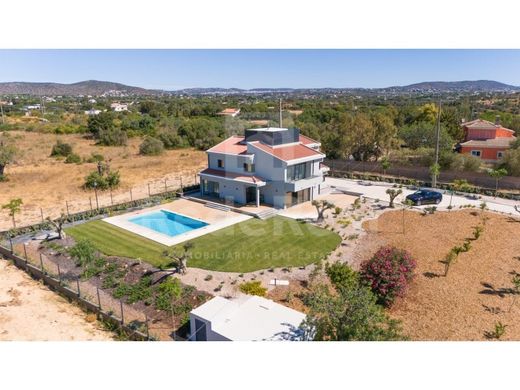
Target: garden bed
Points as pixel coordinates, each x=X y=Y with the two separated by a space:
x=478 y=292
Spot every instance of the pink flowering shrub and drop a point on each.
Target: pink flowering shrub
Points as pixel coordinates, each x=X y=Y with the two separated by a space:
x=388 y=273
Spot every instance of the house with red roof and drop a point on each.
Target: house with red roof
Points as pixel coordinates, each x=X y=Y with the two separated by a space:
x=274 y=166
x=486 y=140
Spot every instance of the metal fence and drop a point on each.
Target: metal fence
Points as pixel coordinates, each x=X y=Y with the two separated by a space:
x=422 y=173
x=32 y=214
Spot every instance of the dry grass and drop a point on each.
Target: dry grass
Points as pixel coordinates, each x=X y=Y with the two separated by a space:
x=476 y=293
x=43 y=181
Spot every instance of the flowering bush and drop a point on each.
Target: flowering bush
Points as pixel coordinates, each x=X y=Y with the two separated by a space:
x=388 y=273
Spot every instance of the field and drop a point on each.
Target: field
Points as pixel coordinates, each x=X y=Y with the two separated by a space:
x=244 y=247
x=478 y=291
x=45 y=182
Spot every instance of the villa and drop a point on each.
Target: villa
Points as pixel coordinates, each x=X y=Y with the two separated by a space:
x=486 y=140
x=275 y=166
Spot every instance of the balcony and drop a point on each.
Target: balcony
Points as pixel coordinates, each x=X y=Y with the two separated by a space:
x=297 y=185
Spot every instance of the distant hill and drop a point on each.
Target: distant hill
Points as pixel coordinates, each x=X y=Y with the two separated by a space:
x=97 y=88
x=90 y=87
x=458 y=86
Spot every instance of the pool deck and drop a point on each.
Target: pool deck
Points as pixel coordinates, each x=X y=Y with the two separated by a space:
x=216 y=219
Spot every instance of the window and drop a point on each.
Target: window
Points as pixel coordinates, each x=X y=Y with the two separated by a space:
x=475 y=153
x=210 y=188
x=500 y=154
x=249 y=167
x=220 y=163
x=297 y=172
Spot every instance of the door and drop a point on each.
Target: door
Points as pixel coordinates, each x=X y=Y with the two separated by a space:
x=250 y=194
x=200 y=329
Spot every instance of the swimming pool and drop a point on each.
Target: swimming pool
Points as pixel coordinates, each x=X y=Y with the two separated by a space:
x=168 y=223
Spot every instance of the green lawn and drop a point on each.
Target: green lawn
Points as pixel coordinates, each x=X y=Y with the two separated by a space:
x=244 y=247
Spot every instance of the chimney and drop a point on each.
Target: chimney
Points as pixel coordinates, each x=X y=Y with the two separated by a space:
x=497 y=120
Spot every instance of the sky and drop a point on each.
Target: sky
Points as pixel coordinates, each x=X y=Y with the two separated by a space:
x=255 y=68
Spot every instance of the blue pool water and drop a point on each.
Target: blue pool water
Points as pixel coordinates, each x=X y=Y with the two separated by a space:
x=168 y=223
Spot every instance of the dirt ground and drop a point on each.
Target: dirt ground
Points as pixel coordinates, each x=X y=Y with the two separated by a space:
x=46 y=182
x=476 y=294
x=29 y=311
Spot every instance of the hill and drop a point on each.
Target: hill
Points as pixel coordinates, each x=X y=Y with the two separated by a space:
x=90 y=87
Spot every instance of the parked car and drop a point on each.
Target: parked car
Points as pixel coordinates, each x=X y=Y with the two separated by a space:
x=424 y=197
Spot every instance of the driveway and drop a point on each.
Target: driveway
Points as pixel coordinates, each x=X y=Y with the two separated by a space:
x=377 y=190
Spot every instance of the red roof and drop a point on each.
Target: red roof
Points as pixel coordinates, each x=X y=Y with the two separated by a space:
x=289 y=152
x=233 y=176
x=232 y=145
x=483 y=124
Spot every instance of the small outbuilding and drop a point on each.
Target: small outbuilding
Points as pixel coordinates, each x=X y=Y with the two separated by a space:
x=249 y=318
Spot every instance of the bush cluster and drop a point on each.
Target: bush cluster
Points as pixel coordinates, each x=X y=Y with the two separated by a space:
x=151 y=147
x=61 y=149
x=73 y=158
x=102 y=182
x=253 y=287
x=388 y=273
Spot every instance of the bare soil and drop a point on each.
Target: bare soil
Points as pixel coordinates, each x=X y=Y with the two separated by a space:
x=29 y=311
x=45 y=182
x=477 y=292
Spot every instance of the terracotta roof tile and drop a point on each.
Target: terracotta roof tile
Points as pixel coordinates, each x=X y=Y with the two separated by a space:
x=307 y=141
x=232 y=145
x=289 y=152
x=490 y=143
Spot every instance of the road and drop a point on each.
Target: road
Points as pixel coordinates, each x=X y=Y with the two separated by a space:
x=377 y=190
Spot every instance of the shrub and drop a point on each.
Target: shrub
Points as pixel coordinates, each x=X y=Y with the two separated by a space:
x=253 y=288
x=95 y=157
x=341 y=275
x=170 y=139
x=388 y=273
x=151 y=147
x=166 y=291
x=73 y=158
x=112 y=137
x=83 y=253
x=102 y=182
x=61 y=149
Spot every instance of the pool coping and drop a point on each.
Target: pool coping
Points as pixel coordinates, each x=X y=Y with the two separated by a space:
x=122 y=221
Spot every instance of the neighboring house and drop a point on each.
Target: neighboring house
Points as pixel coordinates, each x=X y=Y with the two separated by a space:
x=275 y=166
x=92 y=112
x=119 y=107
x=233 y=112
x=250 y=318
x=486 y=140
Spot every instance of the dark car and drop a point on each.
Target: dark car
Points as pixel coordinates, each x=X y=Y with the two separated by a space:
x=424 y=197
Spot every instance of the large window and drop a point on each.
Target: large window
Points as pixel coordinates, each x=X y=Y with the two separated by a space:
x=210 y=188
x=297 y=172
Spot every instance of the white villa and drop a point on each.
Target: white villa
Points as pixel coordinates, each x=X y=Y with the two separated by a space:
x=275 y=166
x=249 y=318
x=119 y=107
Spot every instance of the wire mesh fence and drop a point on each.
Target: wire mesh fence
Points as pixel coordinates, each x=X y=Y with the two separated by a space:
x=33 y=214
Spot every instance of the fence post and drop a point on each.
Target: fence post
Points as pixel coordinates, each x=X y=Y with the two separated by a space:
x=90 y=200
x=59 y=273
x=111 y=198
x=67 y=205
x=165 y=186
x=77 y=284
x=98 y=298
x=122 y=314
x=41 y=263
x=11 y=244
x=25 y=251
x=149 y=193
x=41 y=212
x=181 y=186
x=131 y=198
x=147 y=327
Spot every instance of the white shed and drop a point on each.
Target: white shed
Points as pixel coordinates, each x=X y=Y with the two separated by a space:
x=249 y=318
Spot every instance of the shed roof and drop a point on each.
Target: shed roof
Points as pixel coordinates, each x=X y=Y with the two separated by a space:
x=251 y=318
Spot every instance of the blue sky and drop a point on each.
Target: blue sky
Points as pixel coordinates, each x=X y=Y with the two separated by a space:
x=175 y=69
